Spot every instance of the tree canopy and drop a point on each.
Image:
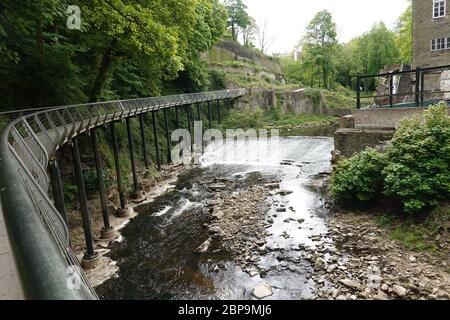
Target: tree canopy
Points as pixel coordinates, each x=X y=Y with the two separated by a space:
x=125 y=48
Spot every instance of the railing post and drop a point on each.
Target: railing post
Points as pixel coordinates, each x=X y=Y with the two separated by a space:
x=188 y=116
x=177 y=118
x=391 y=90
x=90 y=254
x=143 y=141
x=209 y=115
x=422 y=88
x=57 y=188
x=107 y=231
x=417 y=87
x=218 y=111
x=155 y=135
x=166 y=129
x=122 y=210
x=358 y=92
x=199 y=114
x=228 y=104
x=136 y=189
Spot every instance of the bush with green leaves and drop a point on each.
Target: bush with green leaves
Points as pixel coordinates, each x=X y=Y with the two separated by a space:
x=414 y=170
x=359 y=177
x=418 y=171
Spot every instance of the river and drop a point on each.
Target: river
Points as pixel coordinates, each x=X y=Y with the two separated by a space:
x=156 y=258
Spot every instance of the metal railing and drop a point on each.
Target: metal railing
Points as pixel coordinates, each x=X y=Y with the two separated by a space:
x=38 y=235
x=419 y=97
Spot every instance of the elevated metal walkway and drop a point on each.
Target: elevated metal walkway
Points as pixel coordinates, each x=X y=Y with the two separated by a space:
x=36 y=232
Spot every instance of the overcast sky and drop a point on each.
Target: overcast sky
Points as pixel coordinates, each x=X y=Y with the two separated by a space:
x=287 y=19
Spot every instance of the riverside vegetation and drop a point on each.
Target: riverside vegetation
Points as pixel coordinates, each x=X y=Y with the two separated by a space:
x=406 y=184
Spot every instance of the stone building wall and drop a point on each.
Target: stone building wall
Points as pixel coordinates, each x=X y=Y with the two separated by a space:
x=426 y=28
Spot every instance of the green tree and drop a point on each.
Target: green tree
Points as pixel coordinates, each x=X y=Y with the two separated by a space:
x=404 y=35
x=318 y=50
x=378 y=48
x=238 y=18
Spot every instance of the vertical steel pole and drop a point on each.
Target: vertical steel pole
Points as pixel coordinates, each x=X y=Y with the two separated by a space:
x=166 y=129
x=391 y=91
x=117 y=165
x=143 y=141
x=57 y=188
x=228 y=104
x=177 y=118
x=199 y=114
x=417 y=86
x=188 y=115
x=358 y=92
x=155 y=135
x=422 y=88
x=209 y=115
x=218 y=111
x=132 y=158
x=100 y=181
x=90 y=254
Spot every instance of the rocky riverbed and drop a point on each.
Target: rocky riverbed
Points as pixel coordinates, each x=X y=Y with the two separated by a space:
x=353 y=259
x=265 y=229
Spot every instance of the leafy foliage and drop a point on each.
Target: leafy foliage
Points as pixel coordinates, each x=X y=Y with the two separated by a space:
x=359 y=177
x=238 y=18
x=415 y=169
x=319 y=47
x=404 y=35
x=418 y=172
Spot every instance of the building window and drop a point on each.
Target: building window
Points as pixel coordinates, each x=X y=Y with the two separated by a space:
x=440 y=44
x=439 y=8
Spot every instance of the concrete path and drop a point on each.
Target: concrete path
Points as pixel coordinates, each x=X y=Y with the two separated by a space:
x=9 y=282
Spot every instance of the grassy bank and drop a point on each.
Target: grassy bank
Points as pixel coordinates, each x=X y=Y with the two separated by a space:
x=425 y=233
x=274 y=119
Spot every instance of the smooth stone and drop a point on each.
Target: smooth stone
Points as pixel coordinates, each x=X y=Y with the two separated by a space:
x=262 y=291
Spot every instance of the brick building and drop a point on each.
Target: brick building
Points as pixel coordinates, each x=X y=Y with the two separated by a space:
x=431 y=30
x=431 y=41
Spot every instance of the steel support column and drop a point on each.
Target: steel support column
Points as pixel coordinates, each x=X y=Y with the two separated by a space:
x=100 y=183
x=118 y=171
x=177 y=118
x=57 y=188
x=155 y=135
x=90 y=254
x=358 y=92
x=391 y=90
x=188 y=116
x=218 y=111
x=199 y=115
x=166 y=129
x=209 y=115
x=417 y=87
x=136 y=188
x=143 y=141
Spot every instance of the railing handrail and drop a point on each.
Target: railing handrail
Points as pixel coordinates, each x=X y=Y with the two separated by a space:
x=419 y=90
x=37 y=233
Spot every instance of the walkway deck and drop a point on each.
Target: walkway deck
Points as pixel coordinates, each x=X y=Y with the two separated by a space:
x=9 y=282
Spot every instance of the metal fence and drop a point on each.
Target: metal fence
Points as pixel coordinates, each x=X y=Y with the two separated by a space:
x=419 y=93
x=39 y=237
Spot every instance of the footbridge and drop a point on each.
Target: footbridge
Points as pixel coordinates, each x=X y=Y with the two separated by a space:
x=36 y=259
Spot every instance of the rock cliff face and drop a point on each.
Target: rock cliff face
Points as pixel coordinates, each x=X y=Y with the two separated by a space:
x=243 y=67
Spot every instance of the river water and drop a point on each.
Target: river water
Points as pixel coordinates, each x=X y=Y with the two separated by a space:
x=156 y=258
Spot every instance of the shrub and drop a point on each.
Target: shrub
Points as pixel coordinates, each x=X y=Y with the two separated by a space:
x=418 y=172
x=359 y=177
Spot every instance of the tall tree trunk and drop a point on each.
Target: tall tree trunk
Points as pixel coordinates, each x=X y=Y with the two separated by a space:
x=102 y=72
